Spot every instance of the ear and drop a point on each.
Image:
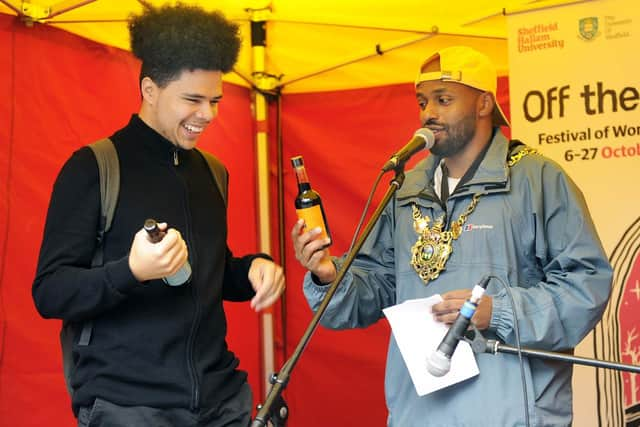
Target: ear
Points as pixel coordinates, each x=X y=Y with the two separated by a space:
x=149 y=90
x=486 y=104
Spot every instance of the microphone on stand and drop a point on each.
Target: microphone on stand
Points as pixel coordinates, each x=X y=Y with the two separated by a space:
x=423 y=138
x=439 y=363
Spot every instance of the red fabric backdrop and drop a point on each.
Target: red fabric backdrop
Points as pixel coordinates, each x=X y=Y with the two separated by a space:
x=60 y=92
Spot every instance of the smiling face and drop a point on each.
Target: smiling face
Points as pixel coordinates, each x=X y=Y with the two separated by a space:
x=450 y=110
x=182 y=109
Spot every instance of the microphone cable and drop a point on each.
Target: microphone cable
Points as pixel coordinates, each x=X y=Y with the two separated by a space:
x=518 y=346
x=364 y=211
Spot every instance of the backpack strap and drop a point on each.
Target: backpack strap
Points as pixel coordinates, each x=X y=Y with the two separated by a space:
x=218 y=172
x=109 y=169
x=109 y=174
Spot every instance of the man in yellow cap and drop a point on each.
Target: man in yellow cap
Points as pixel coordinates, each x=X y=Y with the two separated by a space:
x=479 y=206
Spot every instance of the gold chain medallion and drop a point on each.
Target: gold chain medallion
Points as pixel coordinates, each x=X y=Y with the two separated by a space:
x=431 y=252
x=434 y=245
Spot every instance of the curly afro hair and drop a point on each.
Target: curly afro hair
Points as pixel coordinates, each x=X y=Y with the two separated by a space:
x=171 y=39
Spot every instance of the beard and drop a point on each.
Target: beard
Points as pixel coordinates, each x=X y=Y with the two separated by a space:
x=458 y=137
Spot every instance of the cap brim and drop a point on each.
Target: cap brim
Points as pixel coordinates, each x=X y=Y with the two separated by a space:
x=499 y=119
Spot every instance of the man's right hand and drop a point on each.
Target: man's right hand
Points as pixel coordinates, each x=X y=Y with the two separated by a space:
x=149 y=261
x=309 y=251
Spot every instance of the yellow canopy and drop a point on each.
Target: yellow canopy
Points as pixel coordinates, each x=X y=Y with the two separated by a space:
x=315 y=45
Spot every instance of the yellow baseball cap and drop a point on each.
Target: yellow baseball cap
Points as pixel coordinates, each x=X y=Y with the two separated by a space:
x=467 y=66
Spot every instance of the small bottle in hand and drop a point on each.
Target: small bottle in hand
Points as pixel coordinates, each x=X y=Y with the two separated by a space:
x=180 y=277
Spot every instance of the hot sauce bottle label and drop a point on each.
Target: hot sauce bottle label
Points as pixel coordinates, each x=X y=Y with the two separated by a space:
x=313 y=218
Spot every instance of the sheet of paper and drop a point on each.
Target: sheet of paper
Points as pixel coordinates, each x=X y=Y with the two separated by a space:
x=418 y=335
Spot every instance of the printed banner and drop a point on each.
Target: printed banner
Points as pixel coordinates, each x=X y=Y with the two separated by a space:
x=575 y=96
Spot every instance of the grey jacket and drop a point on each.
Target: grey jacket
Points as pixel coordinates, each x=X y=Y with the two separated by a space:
x=532 y=229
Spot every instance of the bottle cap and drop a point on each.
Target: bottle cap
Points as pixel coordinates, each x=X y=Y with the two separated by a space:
x=297 y=161
x=150 y=224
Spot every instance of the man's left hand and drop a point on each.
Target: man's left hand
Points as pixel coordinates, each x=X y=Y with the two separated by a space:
x=267 y=279
x=447 y=311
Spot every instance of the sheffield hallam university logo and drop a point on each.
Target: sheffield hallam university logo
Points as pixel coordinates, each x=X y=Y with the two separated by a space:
x=588 y=28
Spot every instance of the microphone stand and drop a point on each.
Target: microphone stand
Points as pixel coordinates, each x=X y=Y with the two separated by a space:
x=279 y=380
x=480 y=344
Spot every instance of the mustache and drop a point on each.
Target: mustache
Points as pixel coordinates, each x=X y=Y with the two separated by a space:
x=433 y=123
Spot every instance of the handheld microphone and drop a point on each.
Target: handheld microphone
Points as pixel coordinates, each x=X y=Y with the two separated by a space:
x=422 y=138
x=439 y=363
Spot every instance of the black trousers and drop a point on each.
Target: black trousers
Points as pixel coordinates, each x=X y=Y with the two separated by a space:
x=234 y=412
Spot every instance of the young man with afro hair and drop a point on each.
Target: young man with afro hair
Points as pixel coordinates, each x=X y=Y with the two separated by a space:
x=146 y=353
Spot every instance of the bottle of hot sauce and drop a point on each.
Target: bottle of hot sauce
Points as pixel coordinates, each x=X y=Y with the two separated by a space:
x=308 y=202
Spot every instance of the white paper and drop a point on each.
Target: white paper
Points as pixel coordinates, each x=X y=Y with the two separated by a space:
x=418 y=335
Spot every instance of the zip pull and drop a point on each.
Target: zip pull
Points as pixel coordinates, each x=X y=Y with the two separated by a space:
x=175 y=157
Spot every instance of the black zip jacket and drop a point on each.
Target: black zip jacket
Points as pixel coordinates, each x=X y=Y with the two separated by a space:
x=151 y=344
